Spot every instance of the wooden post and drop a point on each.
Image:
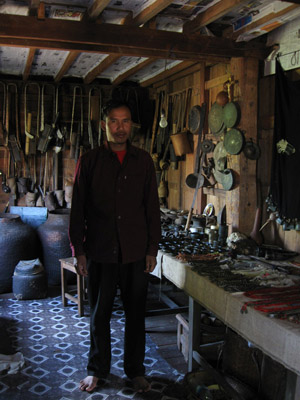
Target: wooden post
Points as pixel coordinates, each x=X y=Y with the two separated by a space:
x=241 y=202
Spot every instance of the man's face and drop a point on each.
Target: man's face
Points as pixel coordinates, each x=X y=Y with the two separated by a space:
x=118 y=125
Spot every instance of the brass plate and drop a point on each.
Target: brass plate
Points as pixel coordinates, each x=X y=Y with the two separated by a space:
x=233 y=141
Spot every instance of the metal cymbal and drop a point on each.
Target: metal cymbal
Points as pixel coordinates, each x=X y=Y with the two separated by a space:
x=220 y=156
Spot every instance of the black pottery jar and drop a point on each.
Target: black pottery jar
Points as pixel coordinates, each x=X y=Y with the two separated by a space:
x=18 y=241
x=54 y=237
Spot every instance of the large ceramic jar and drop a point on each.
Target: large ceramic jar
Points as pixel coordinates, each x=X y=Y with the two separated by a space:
x=18 y=241
x=54 y=237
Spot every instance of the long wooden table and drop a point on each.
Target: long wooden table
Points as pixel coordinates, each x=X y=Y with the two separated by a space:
x=277 y=338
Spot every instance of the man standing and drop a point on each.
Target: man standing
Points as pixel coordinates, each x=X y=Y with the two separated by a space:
x=114 y=233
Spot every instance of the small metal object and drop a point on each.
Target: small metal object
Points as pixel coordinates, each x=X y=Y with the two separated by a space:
x=251 y=150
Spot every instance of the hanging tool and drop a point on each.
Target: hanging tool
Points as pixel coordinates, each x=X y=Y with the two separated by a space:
x=73 y=138
x=200 y=177
x=191 y=179
x=49 y=130
x=13 y=137
x=60 y=135
x=3 y=116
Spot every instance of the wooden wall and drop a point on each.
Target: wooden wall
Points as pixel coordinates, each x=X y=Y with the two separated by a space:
x=207 y=82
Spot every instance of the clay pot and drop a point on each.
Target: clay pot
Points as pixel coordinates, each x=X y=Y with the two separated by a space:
x=18 y=241
x=54 y=237
x=222 y=98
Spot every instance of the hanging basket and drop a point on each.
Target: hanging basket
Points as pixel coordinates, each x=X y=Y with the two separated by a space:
x=181 y=143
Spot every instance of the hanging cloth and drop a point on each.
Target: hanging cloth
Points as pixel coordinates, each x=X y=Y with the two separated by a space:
x=284 y=187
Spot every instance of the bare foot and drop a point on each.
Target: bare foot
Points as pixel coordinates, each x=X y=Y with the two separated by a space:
x=89 y=383
x=140 y=384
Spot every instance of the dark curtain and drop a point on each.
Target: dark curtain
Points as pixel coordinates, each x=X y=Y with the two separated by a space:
x=285 y=187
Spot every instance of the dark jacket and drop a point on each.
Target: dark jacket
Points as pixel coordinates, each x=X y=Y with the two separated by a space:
x=115 y=207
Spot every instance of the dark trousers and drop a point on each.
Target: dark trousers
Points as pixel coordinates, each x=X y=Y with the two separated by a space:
x=103 y=280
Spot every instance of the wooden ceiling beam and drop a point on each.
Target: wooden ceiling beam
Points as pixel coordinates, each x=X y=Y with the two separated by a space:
x=96 y=8
x=211 y=14
x=122 y=77
x=24 y=31
x=28 y=65
x=67 y=64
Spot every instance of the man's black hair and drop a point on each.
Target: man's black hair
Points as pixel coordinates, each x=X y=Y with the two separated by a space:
x=112 y=104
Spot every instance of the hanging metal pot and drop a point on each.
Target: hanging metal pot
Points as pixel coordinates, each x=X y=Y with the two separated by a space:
x=215 y=119
x=181 y=143
x=233 y=141
x=231 y=114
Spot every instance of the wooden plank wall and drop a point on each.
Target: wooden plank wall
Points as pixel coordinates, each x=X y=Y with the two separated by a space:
x=241 y=202
x=66 y=163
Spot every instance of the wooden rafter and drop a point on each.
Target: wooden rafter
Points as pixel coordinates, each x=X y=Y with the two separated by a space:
x=96 y=8
x=132 y=71
x=167 y=73
x=33 y=6
x=151 y=11
x=211 y=14
x=67 y=64
x=28 y=65
x=261 y=21
x=106 y=63
x=143 y=17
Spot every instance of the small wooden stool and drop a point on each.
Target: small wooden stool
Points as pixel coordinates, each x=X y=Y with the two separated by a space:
x=68 y=264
